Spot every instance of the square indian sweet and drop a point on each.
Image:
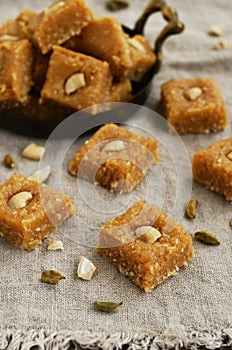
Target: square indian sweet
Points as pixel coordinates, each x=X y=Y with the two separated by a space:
x=16 y=59
x=145 y=245
x=61 y=20
x=212 y=167
x=75 y=80
x=104 y=39
x=115 y=158
x=194 y=105
x=30 y=211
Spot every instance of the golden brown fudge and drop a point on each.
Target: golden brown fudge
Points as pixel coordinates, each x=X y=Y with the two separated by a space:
x=23 y=27
x=194 y=105
x=75 y=80
x=15 y=72
x=60 y=21
x=142 y=57
x=30 y=211
x=120 y=91
x=212 y=167
x=105 y=40
x=115 y=158
x=145 y=245
x=27 y=22
x=10 y=31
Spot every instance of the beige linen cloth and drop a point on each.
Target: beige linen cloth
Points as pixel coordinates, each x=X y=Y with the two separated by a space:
x=189 y=310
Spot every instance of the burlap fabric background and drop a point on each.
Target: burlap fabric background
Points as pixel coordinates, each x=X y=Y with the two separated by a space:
x=192 y=309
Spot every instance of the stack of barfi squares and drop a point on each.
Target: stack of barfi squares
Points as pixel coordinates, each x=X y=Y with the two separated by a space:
x=67 y=58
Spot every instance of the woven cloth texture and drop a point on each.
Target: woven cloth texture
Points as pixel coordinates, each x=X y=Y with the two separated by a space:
x=199 y=297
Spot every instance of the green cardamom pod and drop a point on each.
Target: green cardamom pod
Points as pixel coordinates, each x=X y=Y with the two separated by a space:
x=9 y=161
x=51 y=276
x=191 y=209
x=116 y=5
x=207 y=237
x=106 y=306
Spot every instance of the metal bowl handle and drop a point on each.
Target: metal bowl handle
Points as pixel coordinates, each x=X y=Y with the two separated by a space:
x=174 y=26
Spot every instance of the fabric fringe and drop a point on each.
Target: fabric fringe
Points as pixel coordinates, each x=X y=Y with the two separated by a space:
x=174 y=337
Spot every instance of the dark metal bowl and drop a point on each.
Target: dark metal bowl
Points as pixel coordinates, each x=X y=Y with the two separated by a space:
x=174 y=26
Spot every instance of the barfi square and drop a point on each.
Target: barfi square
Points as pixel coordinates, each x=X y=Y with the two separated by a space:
x=60 y=21
x=115 y=158
x=27 y=22
x=142 y=57
x=23 y=27
x=194 y=105
x=75 y=80
x=30 y=211
x=16 y=59
x=105 y=40
x=10 y=31
x=212 y=167
x=145 y=245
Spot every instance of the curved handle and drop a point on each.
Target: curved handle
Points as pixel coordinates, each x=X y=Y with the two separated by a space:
x=174 y=26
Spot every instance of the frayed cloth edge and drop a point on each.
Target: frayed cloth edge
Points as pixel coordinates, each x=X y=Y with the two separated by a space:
x=174 y=337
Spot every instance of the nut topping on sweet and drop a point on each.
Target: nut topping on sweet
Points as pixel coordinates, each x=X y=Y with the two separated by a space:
x=53 y=8
x=7 y=37
x=116 y=145
x=193 y=93
x=2 y=88
x=136 y=45
x=74 y=83
x=229 y=155
x=147 y=234
x=20 y=200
